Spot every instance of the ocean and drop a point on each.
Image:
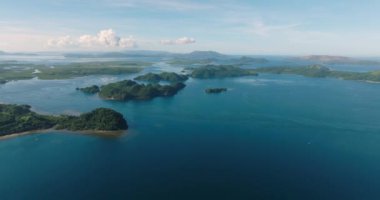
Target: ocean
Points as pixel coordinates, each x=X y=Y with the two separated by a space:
x=267 y=137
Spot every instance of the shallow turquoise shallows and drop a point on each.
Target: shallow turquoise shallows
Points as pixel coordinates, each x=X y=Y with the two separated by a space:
x=268 y=137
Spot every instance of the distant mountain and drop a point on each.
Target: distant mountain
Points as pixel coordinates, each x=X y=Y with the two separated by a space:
x=326 y=59
x=203 y=55
x=206 y=54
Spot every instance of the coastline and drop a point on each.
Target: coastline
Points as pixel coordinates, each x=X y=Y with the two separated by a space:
x=13 y=135
x=117 y=133
x=100 y=133
x=374 y=82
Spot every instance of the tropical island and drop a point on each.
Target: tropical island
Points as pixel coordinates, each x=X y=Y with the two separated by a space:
x=220 y=71
x=164 y=76
x=320 y=71
x=215 y=90
x=19 y=118
x=100 y=119
x=89 y=90
x=131 y=90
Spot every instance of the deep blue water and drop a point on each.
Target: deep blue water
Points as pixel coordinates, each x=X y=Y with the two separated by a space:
x=268 y=137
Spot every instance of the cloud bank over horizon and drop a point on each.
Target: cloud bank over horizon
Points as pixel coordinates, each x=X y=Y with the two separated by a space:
x=104 y=39
x=274 y=27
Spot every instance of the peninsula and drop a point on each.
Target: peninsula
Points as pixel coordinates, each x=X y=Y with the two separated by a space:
x=19 y=118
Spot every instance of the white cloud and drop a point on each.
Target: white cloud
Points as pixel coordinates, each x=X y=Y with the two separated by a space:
x=87 y=40
x=108 y=38
x=65 y=41
x=179 y=41
x=128 y=42
x=105 y=38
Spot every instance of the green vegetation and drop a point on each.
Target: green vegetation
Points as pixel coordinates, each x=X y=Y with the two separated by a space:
x=164 y=76
x=86 y=69
x=15 y=71
x=90 y=90
x=220 y=71
x=359 y=76
x=321 y=72
x=100 y=119
x=215 y=90
x=19 y=118
x=250 y=60
x=309 y=71
x=325 y=59
x=131 y=90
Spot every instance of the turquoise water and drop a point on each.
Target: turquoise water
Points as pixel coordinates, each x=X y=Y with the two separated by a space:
x=268 y=137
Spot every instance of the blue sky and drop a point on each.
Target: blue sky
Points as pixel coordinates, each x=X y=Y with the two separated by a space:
x=278 y=27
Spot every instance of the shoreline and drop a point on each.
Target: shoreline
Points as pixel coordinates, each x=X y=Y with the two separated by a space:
x=373 y=82
x=101 y=133
x=13 y=135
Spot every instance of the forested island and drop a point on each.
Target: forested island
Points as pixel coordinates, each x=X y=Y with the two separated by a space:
x=322 y=72
x=131 y=90
x=100 y=119
x=220 y=71
x=215 y=90
x=164 y=76
x=90 y=90
x=19 y=118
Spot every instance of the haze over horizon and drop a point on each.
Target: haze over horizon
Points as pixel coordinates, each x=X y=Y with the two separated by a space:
x=273 y=27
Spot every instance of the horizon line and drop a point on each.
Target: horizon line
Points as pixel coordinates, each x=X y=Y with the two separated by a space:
x=188 y=52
